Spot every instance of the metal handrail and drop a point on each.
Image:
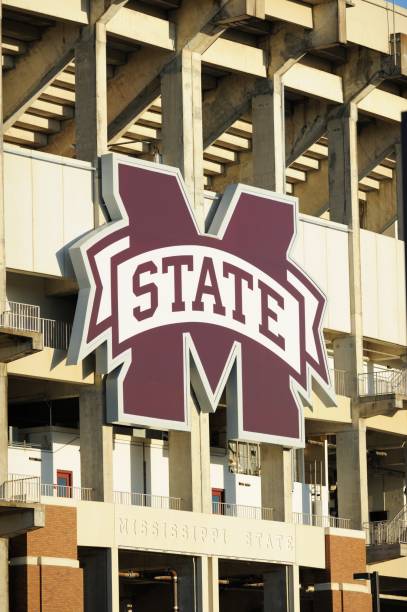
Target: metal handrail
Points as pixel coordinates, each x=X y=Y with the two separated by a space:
x=386 y=532
x=56 y=490
x=19 y=488
x=161 y=502
x=317 y=520
x=383 y=382
x=247 y=512
x=340 y=381
x=26 y=317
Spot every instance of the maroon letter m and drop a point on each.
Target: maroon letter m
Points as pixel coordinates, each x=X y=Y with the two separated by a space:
x=168 y=308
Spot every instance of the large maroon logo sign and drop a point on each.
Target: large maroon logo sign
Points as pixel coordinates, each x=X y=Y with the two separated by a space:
x=168 y=308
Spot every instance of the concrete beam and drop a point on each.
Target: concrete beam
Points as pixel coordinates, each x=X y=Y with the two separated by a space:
x=239 y=11
x=16 y=519
x=37 y=69
x=17 y=344
x=74 y=10
x=142 y=28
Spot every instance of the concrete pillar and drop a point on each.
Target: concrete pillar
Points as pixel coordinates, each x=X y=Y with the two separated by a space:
x=293 y=572
x=181 y=138
x=401 y=221
x=4 y=577
x=113 y=576
x=351 y=465
x=348 y=351
x=91 y=103
x=276 y=481
x=96 y=442
x=207 y=569
x=269 y=138
x=3 y=297
x=189 y=463
x=344 y=208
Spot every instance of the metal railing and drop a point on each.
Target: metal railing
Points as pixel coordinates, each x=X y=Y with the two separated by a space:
x=144 y=499
x=26 y=317
x=383 y=382
x=247 y=512
x=19 y=488
x=56 y=490
x=21 y=316
x=339 y=379
x=321 y=521
x=57 y=334
x=388 y=532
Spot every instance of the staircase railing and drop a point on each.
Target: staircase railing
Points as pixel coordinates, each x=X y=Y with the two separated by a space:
x=388 y=532
x=383 y=382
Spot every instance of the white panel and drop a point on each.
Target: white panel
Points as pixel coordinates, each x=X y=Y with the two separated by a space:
x=157 y=471
x=65 y=448
x=121 y=466
x=26 y=461
x=77 y=209
x=48 y=217
x=387 y=289
x=369 y=284
x=321 y=248
x=401 y=291
x=18 y=212
x=218 y=468
x=383 y=287
x=337 y=262
x=315 y=254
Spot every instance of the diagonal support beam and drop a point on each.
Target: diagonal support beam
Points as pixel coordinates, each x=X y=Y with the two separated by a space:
x=37 y=69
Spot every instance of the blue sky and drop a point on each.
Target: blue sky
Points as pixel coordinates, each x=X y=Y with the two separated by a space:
x=402 y=3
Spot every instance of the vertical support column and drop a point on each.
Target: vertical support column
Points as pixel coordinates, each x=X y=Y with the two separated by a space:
x=113 y=580
x=207 y=569
x=96 y=443
x=182 y=147
x=189 y=463
x=276 y=481
x=3 y=296
x=348 y=351
x=91 y=102
x=344 y=208
x=182 y=140
x=351 y=463
x=4 y=578
x=400 y=206
x=268 y=138
x=294 y=588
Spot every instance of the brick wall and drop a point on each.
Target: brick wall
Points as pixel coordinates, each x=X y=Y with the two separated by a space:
x=344 y=557
x=47 y=587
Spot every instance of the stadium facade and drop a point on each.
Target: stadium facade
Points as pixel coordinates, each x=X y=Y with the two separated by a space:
x=203 y=330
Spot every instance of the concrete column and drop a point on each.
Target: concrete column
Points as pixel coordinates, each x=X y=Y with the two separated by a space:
x=276 y=591
x=4 y=577
x=182 y=146
x=268 y=138
x=96 y=440
x=293 y=572
x=344 y=208
x=113 y=575
x=401 y=222
x=3 y=296
x=351 y=465
x=189 y=463
x=276 y=481
x=207 y=569
x=91 y=103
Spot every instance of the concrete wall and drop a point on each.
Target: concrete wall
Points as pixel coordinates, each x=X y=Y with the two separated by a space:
x=48 y=205
x=383 y=288
x=322 y=248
